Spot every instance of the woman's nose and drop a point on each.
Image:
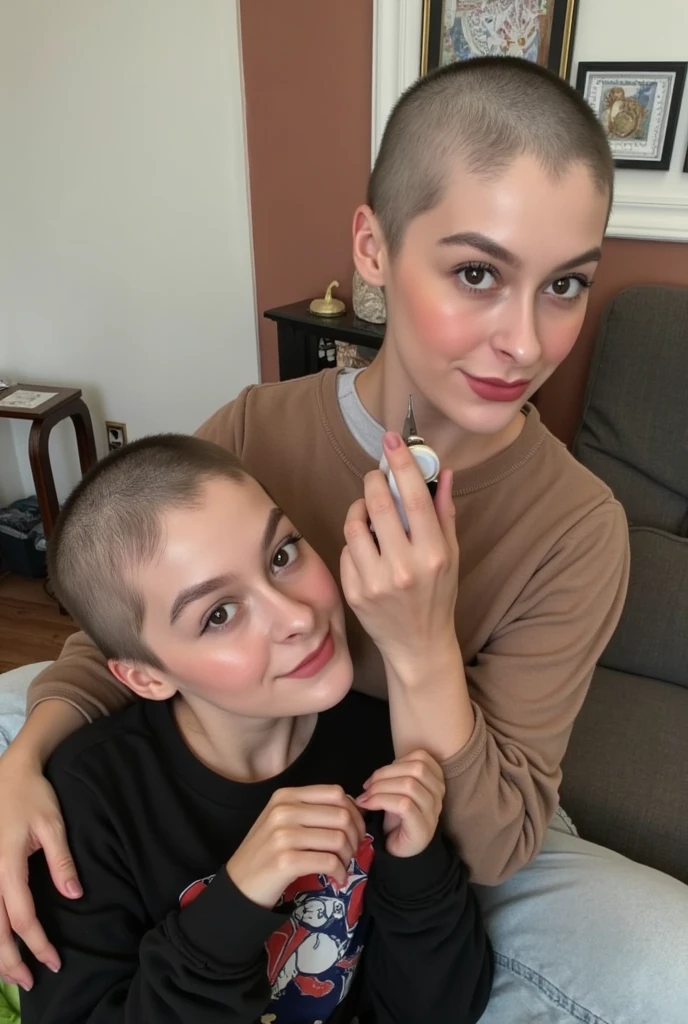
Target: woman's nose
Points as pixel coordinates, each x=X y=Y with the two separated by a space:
x=519 y=339
x=290 y=616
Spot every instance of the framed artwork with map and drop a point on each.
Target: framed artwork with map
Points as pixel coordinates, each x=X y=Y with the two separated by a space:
x=638 y=106
x=538 y=30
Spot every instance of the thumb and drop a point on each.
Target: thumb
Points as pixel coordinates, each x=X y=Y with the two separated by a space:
x=59 y=860
x=445 y=508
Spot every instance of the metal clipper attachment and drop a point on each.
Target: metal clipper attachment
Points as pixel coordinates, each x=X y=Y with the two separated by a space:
x=426 y=459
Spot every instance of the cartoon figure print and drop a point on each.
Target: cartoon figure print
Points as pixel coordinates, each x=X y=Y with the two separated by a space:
x=312 y=957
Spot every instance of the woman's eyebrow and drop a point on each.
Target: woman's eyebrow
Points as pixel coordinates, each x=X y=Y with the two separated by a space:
x=483 y=244
x=210 y=586
x=591 y=256
x=275 y=517
x=198 y=590
x=491 y=248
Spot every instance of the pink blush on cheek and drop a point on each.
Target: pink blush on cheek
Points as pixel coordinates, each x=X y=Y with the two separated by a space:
x=560 y=340
x=216 y=671
x=445 y=331
x=435 y=320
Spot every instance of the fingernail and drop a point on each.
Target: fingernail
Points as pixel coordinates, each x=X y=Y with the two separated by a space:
x=74 y=889
x=392 y=440
x=53 y=966
x=27 y=986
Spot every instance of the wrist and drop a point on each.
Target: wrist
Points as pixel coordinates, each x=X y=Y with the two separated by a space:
x=22 y=759
x=435 y=662
x=49 y=723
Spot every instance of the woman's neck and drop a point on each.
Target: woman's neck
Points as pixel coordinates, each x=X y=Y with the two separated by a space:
x=384 y=387
x=240 y=748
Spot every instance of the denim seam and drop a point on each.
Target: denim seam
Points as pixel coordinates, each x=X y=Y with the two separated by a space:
x=549 y=991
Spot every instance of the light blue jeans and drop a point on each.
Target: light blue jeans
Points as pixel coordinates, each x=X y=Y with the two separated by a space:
x=584 y=935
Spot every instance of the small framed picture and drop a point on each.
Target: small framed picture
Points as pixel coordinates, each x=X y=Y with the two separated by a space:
x=538 y=30
x=638 y=107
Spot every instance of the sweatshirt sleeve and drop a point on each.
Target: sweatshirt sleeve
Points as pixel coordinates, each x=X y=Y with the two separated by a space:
x=532 y=678
x=203 y=963
x=80 y=675
x=428 y=957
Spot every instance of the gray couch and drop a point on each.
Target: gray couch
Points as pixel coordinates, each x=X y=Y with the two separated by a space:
x=626 y=770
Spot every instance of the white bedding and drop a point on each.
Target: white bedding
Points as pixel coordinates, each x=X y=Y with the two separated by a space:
x=13 y=687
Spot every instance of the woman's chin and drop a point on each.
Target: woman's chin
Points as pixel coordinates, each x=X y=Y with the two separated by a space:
x=335 y=684
x=484 y=418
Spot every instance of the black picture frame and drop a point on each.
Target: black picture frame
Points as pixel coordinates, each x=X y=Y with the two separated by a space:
x=561 y=37
x=619 y=69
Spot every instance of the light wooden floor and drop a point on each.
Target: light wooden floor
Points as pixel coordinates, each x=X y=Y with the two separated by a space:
x=31 y=627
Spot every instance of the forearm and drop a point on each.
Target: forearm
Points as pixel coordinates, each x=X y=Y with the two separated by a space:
x=46 y=727
x=81 y=677
x=430 y=708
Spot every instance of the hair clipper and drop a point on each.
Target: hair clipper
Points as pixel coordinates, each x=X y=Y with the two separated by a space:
x=425 y=457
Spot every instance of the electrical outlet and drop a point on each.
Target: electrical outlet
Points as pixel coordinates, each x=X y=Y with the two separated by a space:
x=116 y=435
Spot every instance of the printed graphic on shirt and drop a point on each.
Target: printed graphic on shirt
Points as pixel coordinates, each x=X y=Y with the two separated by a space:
x=313 y=956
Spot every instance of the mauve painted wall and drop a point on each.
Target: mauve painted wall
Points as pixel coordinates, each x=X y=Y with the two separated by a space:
x=307 y=73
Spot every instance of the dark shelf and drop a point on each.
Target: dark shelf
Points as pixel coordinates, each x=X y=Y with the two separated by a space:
x=299 y=332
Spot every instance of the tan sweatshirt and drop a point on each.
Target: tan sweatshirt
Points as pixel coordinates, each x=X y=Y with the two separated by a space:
x=544 y=568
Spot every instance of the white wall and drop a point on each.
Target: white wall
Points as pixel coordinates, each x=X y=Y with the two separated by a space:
x=125 y=252
x=11 y=484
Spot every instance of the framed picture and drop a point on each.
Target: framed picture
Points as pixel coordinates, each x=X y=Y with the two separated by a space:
x=638 y=106
x=538 y=30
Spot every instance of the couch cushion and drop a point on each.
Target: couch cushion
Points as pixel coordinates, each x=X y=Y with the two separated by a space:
x=652 y=636
x=634 y=431
x=626 y=772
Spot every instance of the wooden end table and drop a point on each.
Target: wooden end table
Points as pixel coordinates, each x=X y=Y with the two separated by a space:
x=59 y=403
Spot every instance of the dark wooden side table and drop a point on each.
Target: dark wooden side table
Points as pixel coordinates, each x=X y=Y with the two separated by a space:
x=299 y=332
x=60 y=403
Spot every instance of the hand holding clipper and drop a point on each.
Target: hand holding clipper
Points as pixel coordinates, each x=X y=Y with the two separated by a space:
x=424 y=456
x=402 y=582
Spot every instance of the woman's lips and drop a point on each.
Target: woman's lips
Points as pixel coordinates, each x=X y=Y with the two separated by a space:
x=314 y=662
x=493 y=389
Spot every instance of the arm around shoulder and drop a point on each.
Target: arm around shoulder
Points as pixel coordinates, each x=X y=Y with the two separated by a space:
x=226 y=427
x=81 y=678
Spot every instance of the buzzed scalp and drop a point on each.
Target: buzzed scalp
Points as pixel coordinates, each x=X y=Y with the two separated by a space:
x=481 y=114
x=111 y=524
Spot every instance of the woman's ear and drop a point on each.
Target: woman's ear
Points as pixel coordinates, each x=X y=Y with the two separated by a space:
x=370 y=252
x=142 y=680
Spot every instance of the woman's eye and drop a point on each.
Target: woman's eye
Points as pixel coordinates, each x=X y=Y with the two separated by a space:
x=480 y=279
x=221 y=616
x=286 y=555
x=567 y=287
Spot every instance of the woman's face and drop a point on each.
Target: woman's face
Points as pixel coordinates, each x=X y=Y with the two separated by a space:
x=488 y=292
x=241 y=610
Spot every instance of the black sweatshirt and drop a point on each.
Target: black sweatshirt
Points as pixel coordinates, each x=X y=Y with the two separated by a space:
x=163 y=936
